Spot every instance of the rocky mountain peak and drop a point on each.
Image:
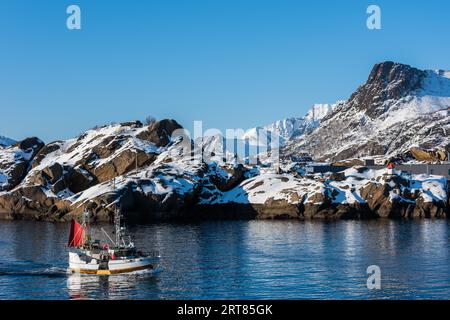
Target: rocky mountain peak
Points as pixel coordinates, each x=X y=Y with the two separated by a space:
x=387 y=81
x=398 y=108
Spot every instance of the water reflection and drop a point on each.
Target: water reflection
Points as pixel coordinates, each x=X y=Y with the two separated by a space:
x=114 y=287
x=240 y=260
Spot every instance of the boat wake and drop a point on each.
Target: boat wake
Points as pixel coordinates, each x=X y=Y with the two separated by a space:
x=31 y=269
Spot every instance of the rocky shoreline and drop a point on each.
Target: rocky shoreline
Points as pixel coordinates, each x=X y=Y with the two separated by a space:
x=95 y=172
x=400 y=114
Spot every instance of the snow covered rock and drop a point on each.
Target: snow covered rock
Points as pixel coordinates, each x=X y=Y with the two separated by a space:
x=397 y=109
x=65 y=168
x=159 y=132
x=15 y=161
x=400 y=112
x=361 y=194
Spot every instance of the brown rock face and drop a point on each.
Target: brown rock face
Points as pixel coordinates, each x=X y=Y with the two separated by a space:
x=44 y=151
x=348 y=162
x=377 y=197
x=428 y=155
x=280 y=209
x=30 y=144
x=159 y=132
x=54 y=172
x=31 y=203
x=403 y=205
x=138 y=205
x=58 y=178
x=387 y=80
x=123 y=163
x=79 y=180
x=429 y=210
x=97 y=156
x=387 y=196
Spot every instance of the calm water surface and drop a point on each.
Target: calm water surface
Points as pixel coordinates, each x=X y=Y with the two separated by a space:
x=240 y=260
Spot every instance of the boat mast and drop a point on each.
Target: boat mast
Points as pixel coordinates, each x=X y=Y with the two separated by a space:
x=85 y=224
x=117 y=225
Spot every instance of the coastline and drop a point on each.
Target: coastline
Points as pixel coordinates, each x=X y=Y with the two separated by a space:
x=234 y=211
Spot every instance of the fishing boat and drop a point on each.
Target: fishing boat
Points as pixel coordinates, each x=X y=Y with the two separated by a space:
x=88 y=256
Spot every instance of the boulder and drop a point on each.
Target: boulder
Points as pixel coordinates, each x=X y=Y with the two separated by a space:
x=160 y=132
x=428 y=155
x=226 y=177
x=121 y=164
x=32 y=145
x=79 y=180
x=54 y=172
x=44 y=151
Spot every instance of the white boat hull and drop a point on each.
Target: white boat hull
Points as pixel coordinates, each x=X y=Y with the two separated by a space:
x=76 y=265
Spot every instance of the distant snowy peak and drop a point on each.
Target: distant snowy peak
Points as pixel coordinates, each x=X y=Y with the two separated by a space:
x=290 y=128
x=398 y=108
x=435 y=84
x=443 y=73
x=319 y=111
x=5 y=142
x=393 y=93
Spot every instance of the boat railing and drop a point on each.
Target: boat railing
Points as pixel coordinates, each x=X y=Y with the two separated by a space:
x=151 y=254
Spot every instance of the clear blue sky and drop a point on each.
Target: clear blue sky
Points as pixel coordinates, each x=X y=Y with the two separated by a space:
x=230 y=63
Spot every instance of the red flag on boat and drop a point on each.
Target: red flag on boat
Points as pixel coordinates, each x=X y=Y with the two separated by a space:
x=76 y=237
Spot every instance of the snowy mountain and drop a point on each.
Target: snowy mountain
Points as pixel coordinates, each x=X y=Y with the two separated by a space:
x=147 y=171
x=398 y=110
x=290 y=128
x=5 y=142
x=153 y=172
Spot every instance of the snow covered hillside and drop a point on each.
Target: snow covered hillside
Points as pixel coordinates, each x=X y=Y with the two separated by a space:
x=290 y=128
x=399 y=108
x=154 y=172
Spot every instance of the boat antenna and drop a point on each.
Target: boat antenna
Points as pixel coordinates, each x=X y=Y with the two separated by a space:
x=117 y=225
x=86 y=226
x=84 y=221
x=107 y=235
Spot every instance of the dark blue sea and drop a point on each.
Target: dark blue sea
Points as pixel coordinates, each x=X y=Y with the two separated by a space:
x=240 y=260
